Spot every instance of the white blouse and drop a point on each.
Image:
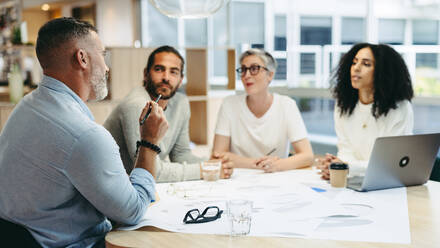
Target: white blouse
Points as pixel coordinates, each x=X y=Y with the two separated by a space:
x=357 y=133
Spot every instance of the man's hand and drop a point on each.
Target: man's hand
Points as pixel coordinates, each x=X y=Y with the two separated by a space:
x=155 y=125
x=268 y=164
x=227 y=164
x=152 y=130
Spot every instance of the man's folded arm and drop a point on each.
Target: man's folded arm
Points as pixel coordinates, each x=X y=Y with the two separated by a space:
x=96 y=170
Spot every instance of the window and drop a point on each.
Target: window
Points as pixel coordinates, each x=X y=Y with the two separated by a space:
x=316 y=30
x=280 y=33
x=391 y=31
x=425 y=32
x=321 y=109
x=426 y=119
x=196 y=33
x=220 y=21
x=247 y=31
x=159 y=26
x=247 y=28
x=281 y=72
x=426 y=60
x=307 y=63
x=352 y=30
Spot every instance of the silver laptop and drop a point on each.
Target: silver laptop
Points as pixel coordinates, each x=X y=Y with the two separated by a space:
x=398 y=161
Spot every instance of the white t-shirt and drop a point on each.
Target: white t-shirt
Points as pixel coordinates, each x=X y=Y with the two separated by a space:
x=256 y=137
x=358 y=132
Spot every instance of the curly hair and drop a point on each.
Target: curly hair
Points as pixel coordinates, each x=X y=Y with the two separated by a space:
x=392 y=82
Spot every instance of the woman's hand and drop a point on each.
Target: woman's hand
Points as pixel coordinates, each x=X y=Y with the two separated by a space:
x=227 y=164
x=268 y=164
x=324 y=165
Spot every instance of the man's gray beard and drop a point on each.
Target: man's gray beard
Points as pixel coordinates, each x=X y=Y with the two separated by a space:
x=99 y=85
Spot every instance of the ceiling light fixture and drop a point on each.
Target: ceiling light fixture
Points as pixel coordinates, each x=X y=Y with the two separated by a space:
x=189 y=9
x=45 y=7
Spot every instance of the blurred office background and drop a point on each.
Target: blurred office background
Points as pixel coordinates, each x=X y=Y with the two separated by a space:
x=307 y=38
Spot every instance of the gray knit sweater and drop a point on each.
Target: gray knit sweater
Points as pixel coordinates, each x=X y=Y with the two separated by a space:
x=123 y=124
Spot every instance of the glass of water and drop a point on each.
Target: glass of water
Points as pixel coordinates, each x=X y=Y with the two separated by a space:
x=211 y=170
x=240 y=216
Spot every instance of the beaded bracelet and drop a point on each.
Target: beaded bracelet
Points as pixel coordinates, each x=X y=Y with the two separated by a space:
x=149 y=145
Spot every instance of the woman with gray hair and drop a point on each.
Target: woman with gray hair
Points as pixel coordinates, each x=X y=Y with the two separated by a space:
x=254 y=130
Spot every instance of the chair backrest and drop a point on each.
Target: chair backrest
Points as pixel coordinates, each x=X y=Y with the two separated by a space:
x=435 y=174
x=14 y=235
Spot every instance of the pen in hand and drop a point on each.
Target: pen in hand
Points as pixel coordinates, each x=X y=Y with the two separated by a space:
x=261 y=159
x=149 y=110
x=271 y=151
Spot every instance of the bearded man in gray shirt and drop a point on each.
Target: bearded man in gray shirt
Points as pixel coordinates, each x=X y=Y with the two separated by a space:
x=163 y=75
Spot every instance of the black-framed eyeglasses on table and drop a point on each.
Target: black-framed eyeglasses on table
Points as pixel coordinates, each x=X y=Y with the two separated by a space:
x=211 y=213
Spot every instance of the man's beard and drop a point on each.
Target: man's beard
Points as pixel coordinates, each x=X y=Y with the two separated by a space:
x=99 y=85
x=152 y=88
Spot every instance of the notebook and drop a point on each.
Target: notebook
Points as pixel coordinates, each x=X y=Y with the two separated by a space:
x=398 y=161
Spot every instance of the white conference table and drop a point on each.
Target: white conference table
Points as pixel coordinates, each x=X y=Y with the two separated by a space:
x=424 y=220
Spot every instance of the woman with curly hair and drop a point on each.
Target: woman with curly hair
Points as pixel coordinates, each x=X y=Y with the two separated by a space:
x=373 y=92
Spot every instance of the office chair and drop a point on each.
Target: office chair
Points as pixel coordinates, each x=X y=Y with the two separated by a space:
x=435 y=174
x=14 y=235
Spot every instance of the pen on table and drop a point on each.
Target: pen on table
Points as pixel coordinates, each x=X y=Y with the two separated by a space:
x=271 y=151
x=149 y=110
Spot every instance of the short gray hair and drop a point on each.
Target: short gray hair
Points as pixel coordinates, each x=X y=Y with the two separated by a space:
x=56 y=33
x=266 y=57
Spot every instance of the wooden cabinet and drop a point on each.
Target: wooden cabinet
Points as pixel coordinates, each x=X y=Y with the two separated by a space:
x=204 y=103
x=204 y=111
x=126 y=70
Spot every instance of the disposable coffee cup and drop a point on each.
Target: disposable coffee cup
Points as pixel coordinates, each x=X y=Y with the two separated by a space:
x=338 y=175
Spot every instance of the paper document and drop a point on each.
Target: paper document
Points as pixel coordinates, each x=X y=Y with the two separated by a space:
x=285 y=204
